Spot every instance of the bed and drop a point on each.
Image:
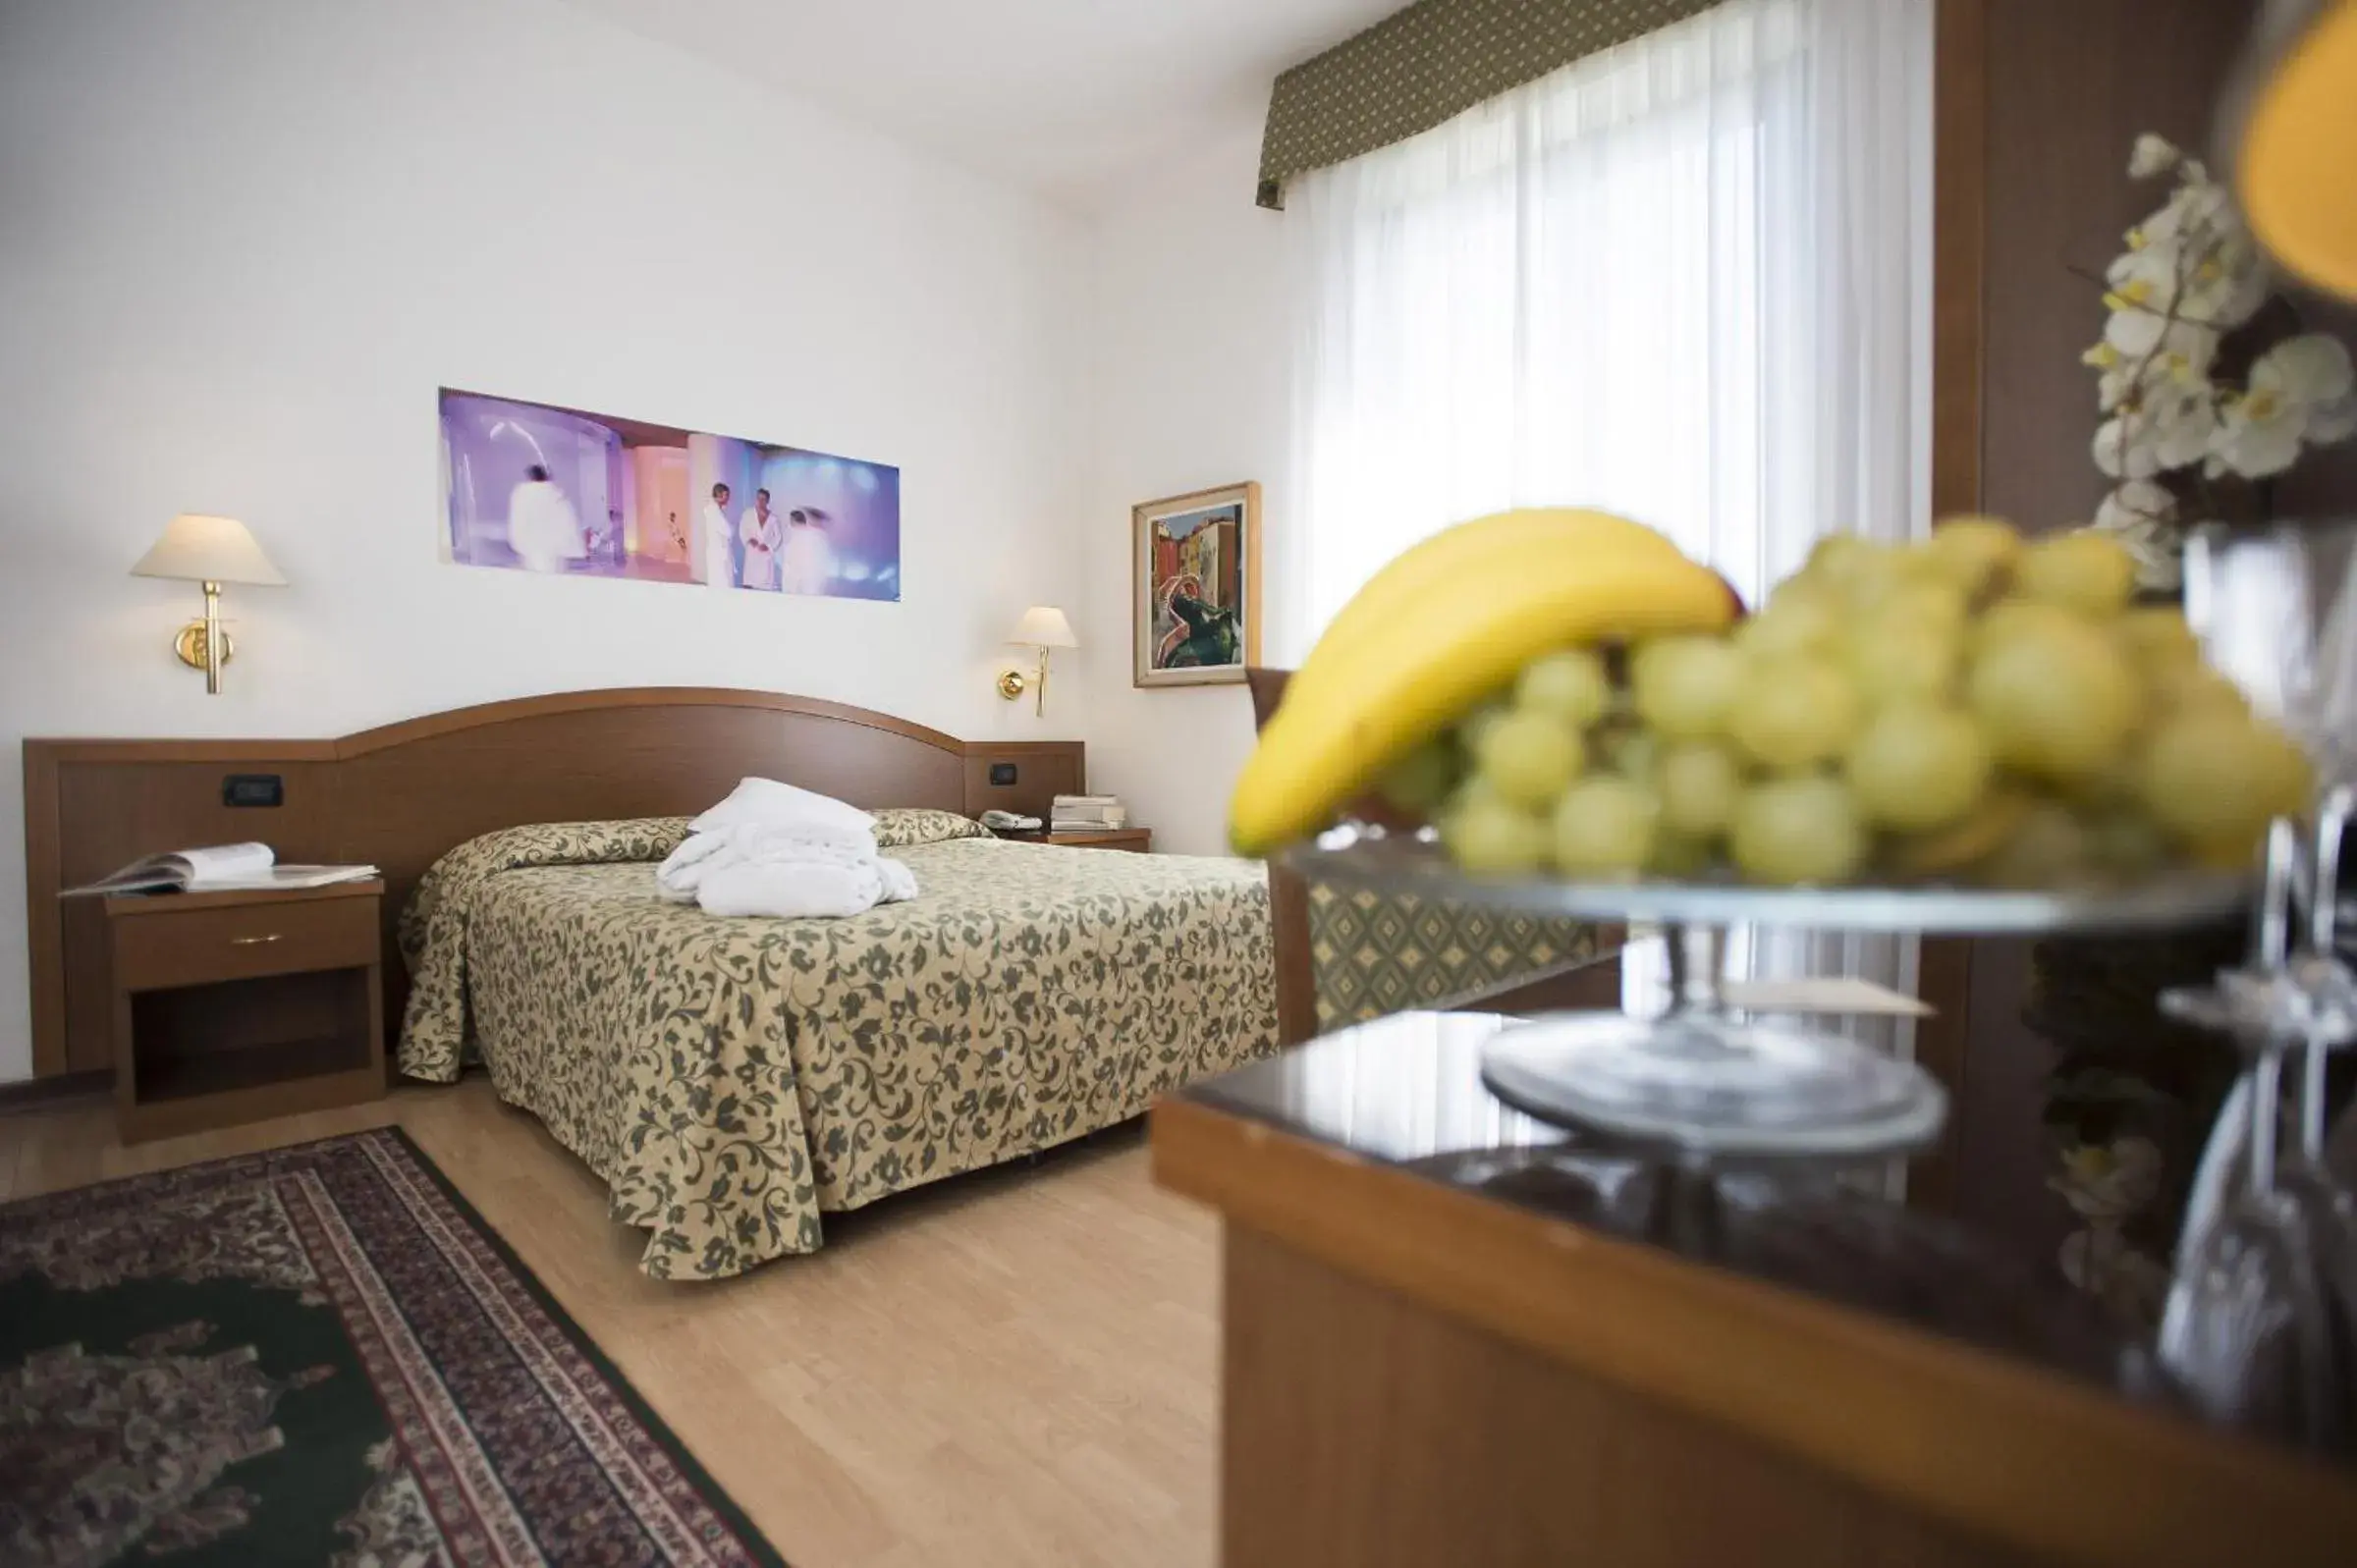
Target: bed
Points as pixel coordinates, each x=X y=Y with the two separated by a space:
x=733 y=1080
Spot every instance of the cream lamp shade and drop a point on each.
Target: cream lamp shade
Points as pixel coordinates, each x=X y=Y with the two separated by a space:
x=1044 y=627
x=202 y=548
x=211 y=551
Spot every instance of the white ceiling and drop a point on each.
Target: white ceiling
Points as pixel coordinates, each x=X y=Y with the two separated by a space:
x=1063 y=96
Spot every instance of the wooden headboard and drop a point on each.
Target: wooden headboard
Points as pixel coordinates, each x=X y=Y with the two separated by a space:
x=403 y=795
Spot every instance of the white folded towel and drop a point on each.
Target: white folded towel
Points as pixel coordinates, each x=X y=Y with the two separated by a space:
x=799 y=890
x=706 y=852
x=766 y=800
x=797 y=864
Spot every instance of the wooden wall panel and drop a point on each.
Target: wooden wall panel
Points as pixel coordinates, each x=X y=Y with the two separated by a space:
x=404 y=795
x=1959 y=250
x=1043 y=770
x=2069 y=84
x=1959 y=257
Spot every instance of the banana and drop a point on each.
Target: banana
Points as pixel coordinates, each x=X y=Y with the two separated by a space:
x=1460 y=636
x=1502 y=536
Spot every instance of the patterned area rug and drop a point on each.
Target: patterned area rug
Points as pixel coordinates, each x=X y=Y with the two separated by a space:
x=317 y=1355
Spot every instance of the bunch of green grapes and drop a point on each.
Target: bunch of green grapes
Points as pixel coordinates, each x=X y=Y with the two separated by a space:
x=1971 y=707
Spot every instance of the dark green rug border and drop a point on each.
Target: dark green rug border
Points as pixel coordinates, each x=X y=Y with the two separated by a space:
x=715 y=1495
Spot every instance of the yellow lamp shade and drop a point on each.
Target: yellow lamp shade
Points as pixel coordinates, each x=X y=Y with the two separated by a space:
x=2296 y=166
x=1044 y=627
x=201 y=549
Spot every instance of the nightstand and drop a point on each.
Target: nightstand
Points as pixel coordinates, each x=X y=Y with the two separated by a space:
x=1140 y=839
x=232 y=1006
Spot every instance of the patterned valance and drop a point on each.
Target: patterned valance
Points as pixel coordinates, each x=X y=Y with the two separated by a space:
x=1430 y=63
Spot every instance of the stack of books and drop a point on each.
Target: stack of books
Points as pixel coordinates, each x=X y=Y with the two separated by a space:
x=1087 y=813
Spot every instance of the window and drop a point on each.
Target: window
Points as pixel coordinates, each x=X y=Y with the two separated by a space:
x=1686 y=279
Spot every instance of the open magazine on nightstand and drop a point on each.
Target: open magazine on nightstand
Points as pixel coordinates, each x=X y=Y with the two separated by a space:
x=220 y=868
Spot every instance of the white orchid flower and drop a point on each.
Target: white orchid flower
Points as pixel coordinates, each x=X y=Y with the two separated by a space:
x=2309 y=369
x=2126 y=447
x=2216 y=282
x=2184 y=420
x=2136 y=501
x=2137 y=329
x=2119 y=378
x=2167 y=427
x=2229 y=288
x=2330 y=423
x=2258 y=437
x=2153 y=265
x=2143 y=518
x=2291 y=386
x=2181 y=367
x=2190 y=274
x=2195 y=214
x=2152 y=155
x=2252 y=452
x=2122 y=382
x=2226 y=287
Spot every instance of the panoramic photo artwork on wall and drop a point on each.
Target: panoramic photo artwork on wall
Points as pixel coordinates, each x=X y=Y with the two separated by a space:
x=536 y=488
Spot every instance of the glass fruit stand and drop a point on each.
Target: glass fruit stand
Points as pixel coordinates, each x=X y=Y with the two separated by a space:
x=1701 y=1084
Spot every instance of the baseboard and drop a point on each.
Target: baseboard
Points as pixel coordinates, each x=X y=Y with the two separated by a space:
x=33 y=1094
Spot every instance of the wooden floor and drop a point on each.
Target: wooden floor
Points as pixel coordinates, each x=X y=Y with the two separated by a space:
x=1015 y=1367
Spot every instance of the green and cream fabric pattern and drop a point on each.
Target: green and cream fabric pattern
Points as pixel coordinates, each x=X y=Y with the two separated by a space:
x=1430 y=63
x=899 y=827
x=731 y=1080
x=1374 y=954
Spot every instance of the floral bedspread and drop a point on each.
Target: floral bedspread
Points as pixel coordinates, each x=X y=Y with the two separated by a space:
x=732 y=1079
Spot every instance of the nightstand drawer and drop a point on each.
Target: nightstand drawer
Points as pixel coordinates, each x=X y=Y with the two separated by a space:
x=1139 y=841
x=198 y=947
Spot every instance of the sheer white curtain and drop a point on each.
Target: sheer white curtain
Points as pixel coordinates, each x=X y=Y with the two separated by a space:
x=1686 y=279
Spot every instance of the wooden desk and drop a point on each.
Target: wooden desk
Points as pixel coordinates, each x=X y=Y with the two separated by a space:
x=1447 y=1340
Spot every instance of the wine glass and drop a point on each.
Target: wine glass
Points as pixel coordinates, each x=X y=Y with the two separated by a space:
x=2276 y=610
x=2248 y=1332
x=2326 y=1206
x=2248 y=1329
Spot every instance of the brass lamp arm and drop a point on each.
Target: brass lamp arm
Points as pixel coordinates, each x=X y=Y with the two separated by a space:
x=1012 y=684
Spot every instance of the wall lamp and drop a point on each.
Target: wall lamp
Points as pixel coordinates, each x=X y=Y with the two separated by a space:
x=211 y=551
x=1043 y=627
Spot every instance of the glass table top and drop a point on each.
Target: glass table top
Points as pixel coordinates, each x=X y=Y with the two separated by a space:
x=1406 y=1092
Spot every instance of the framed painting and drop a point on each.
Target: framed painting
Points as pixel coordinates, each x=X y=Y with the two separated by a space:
x=1195 y=588
x=533 y=487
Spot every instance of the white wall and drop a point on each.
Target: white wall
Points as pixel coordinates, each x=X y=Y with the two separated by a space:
x=243 y=242
x=1190 y=390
